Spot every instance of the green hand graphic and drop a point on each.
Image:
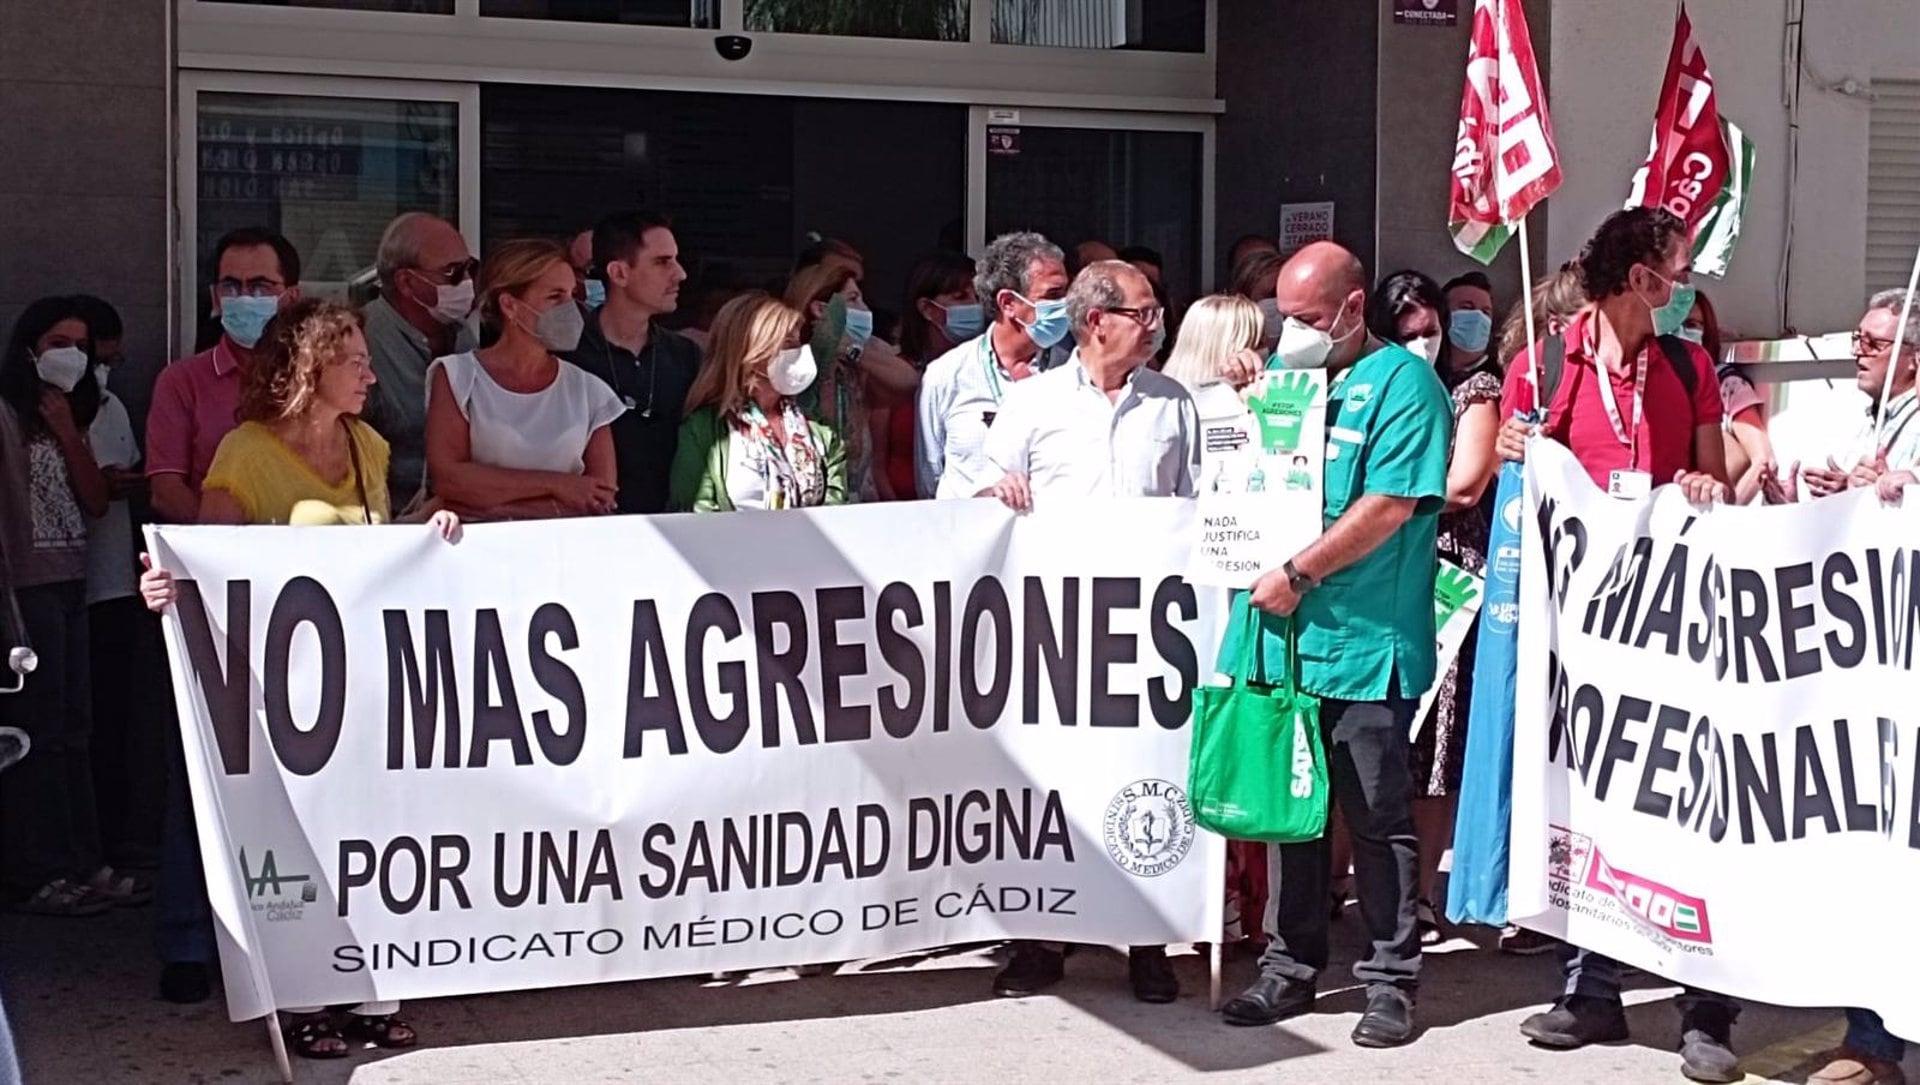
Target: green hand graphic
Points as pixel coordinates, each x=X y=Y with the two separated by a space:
x=1281 y=408
x=1453 y=589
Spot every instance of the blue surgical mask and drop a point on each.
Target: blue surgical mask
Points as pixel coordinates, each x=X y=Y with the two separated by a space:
x=963 y=321
x=1159 y=337
x=244 y=318
x=859 y=326
x=596 y=294
x=1470 y=330
x=1696 y=336
x=1050 y=324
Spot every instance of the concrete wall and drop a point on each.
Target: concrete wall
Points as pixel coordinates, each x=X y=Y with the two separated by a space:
x=1297 y=77
x=83 y=159
x=1608 y=59
x=1422 y=70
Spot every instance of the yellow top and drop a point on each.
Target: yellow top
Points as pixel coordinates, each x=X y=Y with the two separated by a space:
x=274 y=485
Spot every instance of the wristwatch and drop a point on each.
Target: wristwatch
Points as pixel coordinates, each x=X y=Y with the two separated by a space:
x=1300 y=582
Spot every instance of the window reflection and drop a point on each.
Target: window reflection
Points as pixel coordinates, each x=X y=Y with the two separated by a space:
x=1178 y=26
x=688 y=13
x=926 y=20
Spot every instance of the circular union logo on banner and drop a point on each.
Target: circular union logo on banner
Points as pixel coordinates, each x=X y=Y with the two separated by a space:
x=1149 y=827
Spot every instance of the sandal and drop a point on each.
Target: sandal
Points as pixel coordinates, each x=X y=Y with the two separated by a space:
x=314 y=1037
x=64 y=898
x=121 y=889
x=381 y=1030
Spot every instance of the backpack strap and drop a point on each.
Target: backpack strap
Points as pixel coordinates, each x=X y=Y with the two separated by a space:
x=1681 y=361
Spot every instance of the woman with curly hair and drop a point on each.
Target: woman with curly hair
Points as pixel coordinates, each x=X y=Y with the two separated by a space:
x=301 y=455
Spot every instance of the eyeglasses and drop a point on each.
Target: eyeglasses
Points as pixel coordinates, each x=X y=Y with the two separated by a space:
x=253 y=288
x=1148 y=316
x=1866 y=346
x=455 y=273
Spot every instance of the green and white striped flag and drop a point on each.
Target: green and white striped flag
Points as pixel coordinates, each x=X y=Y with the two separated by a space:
x=1719 y=228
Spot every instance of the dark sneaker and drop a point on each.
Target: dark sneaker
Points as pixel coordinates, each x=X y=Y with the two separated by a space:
x=1706 y=1045
x=1576 y=1021
x=186 y=982
x=1388 y=1021
x=1034 y=968
x=1151 y=975
x=1270 y=999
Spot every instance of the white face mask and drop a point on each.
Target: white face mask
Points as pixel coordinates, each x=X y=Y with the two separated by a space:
x=792 y=371
x=452 y=302
x=61 y=367
x=1303 y=346
x=1427 y=346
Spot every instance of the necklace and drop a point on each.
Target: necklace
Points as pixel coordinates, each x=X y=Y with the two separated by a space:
x=651 y=352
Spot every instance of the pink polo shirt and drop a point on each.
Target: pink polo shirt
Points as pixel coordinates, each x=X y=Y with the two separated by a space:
x=196 y=402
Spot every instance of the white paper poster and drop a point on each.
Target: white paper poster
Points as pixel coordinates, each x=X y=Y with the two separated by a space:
x=1456 y=602
x=1301 y=224
x=1260 y=474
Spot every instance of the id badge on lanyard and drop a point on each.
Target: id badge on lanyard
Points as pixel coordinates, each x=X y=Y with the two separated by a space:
x=1632 y=483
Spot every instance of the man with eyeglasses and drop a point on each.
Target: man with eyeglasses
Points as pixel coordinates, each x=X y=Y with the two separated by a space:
x=196 y=402
x=256 y=273
x=1869 y=454
x=427 y=277
x=1101 y=426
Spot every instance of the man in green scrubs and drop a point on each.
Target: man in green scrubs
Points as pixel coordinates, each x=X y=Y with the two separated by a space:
x=1360 y=603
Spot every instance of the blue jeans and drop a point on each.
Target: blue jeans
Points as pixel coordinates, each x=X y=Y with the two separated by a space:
x=1595 y=975
x=1867 y=1035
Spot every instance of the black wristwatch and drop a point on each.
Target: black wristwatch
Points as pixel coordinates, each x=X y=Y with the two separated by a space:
x=1300 y=582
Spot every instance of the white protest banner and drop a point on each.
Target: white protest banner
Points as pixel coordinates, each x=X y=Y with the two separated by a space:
x=627 y=747
x=1715 y=772
x=1456 y=602
x=1260 y=471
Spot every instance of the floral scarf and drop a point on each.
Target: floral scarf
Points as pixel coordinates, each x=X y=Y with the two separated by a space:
x=792 y=473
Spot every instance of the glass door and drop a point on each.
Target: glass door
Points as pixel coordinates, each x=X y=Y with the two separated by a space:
x=326 y=162
x=1128 y=180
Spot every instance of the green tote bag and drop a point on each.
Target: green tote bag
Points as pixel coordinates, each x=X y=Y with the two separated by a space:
x=1258 y=771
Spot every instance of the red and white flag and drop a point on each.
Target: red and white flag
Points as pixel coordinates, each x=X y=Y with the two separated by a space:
x=1504 y=160
x=1690 y=168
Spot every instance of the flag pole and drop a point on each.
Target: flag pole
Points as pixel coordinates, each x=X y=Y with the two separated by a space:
x=1893 y=359
x=1526 y=302
x=1502 y=44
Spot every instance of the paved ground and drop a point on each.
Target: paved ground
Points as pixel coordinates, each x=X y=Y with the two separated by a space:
x=81 y=994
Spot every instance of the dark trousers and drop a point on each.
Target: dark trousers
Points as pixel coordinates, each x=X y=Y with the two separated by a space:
x=129 y=742
x=182 y=918
x=1366 y=745
x=48 y=824
x=1868 y=1035
x=1596 y=975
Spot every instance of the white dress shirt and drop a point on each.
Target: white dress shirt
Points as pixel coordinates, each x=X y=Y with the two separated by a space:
x=1901 y=435
x=1063 y=432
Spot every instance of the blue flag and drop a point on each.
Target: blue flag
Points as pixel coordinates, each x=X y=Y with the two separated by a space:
x=1477 y=886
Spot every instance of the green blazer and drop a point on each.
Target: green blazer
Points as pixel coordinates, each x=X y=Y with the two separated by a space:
x=698 y=479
